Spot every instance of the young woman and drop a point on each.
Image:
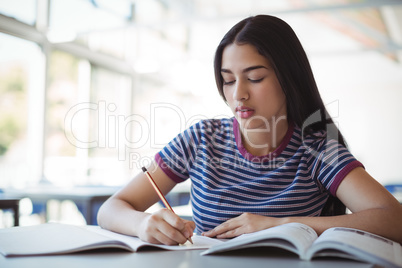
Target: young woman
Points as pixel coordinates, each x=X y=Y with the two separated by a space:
x=280 y=158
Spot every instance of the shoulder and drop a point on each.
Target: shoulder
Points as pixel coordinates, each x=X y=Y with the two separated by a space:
x=322 y=147
x=213 y=126
x=206 y=131
x=320 y=140
x=215 y=123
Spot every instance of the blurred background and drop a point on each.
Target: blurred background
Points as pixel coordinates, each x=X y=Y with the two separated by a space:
x=90 y=90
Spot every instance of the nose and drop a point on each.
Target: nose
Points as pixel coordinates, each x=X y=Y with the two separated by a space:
x=241 y=91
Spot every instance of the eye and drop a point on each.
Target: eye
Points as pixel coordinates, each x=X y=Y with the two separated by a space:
x=255 y=80
x=228 y=82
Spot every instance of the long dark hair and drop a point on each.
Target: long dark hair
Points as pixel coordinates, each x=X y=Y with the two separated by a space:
x=275 y=40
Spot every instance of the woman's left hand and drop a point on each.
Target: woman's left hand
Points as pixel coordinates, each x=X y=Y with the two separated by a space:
x=243 y=224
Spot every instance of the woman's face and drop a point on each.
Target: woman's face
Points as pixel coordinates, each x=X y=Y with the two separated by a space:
x=251 y=88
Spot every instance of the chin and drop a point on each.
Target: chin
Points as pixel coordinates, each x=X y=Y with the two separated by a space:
x=247 y=126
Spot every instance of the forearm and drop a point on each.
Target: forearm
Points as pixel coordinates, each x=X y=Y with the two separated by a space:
x=119 y=216
x=374 y=209
x=161 y=227
x=386 y=222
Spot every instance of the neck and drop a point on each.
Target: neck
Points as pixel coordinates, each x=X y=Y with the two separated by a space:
x=260 y=142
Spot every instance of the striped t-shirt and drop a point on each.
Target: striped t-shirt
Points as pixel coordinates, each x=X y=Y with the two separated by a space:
x=294 y=180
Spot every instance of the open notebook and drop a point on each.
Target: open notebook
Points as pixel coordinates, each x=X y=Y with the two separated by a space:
x=298 y=238
x=55 y=238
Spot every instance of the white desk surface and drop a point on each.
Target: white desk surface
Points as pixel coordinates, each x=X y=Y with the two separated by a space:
x=174 y=259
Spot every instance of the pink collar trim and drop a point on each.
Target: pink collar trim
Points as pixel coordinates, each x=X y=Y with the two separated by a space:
x=264 y=158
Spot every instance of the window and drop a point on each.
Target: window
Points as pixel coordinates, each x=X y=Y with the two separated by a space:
x=84 y=104
x=109 y=127
x=70 y=70
x=13 y=9
x=21 y=111
x=61 y=166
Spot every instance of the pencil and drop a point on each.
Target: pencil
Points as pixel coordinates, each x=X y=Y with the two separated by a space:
x=159 y=192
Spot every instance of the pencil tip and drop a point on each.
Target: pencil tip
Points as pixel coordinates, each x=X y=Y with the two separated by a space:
x=144 y=169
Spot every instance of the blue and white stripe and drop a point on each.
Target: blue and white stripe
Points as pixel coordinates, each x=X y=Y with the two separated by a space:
x=294 y=180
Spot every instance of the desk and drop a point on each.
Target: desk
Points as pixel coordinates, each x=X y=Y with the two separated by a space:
x=88 y=199
x=174 y=259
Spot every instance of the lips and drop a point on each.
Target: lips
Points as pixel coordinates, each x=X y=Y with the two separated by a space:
x=244 y=112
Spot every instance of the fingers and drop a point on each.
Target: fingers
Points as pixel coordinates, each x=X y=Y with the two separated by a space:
x=184 y=226
x=224 y=234
x=165 y=227
x=190 y=225
x=188 y=229
x=245 y=223
x=228 y=229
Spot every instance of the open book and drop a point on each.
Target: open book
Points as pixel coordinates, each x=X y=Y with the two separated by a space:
x=335 y=242
x=55 y=238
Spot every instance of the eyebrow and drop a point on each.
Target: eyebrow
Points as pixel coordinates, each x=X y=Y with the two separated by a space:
x=248 y=69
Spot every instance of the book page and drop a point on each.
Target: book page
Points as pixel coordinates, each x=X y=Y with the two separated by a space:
x=51 y=238
x=362 y=245
x=199 y=242
x=56 y=238
x=295 y=237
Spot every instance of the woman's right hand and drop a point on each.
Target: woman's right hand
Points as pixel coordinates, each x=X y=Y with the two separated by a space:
x=124 y=212
x=165 y=227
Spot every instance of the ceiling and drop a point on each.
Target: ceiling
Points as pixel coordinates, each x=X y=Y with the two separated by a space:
x=374 y=24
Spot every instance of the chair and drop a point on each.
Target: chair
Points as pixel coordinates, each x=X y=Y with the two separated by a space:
x=333 y=207
x=14 y=205
x=395 y=190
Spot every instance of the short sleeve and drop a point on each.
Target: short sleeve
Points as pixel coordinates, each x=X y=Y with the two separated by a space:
x=177 y=156
x=331 y=162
